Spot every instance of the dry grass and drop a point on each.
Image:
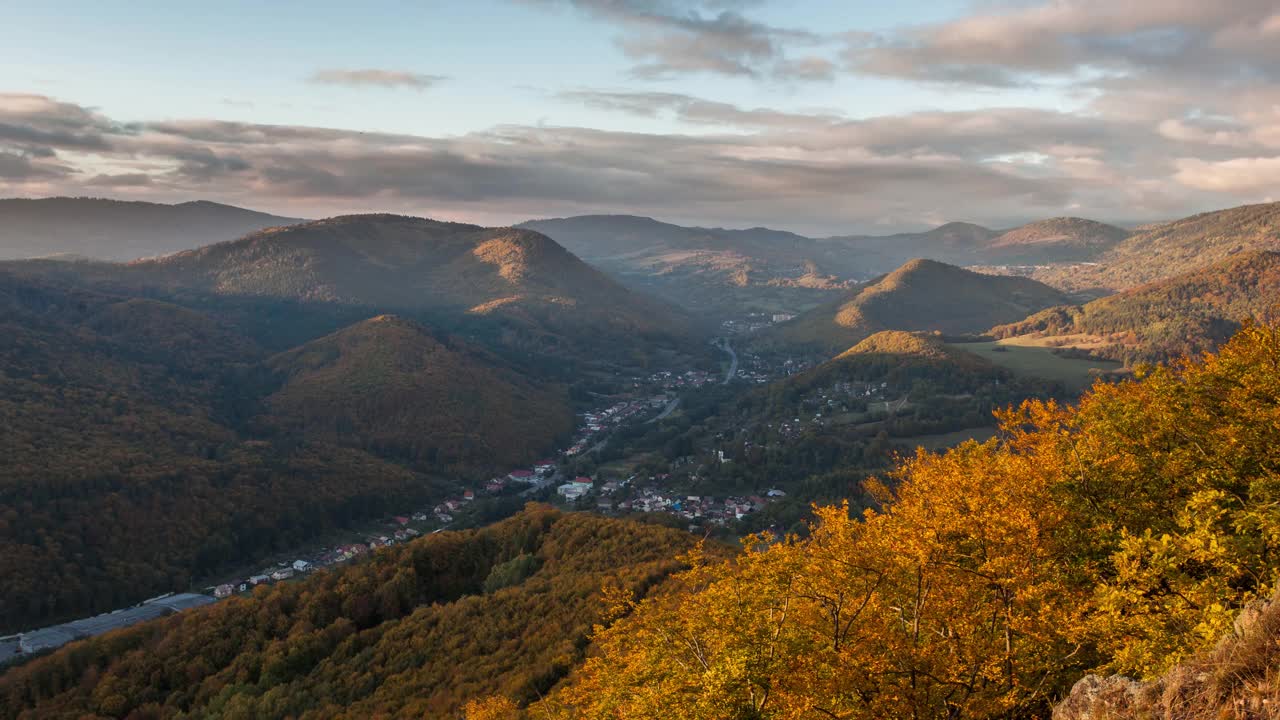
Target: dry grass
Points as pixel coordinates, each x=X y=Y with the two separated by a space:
x=1239 y=679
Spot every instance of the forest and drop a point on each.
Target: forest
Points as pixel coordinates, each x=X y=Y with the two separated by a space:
x=148 y=444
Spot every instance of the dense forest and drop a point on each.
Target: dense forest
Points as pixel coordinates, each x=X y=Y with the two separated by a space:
x=414 y=632
x=1171 y=318
x=1124 y=534
x=147 y=444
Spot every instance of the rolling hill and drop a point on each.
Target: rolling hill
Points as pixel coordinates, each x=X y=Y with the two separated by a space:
x=118 y=230
x=1183 y=315
x=388 y=383
x=1165 y=250
x=920 y=295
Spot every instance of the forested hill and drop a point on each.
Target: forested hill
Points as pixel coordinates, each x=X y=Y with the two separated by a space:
x=1168 y=249
x=1183 y=315
x=920 y=295
x=405 y=264
x=146 y=444
x=413 y=633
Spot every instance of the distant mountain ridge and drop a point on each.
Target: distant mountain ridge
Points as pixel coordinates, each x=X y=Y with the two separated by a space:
x=721 y=270
x=519 y=284
x=104 y=229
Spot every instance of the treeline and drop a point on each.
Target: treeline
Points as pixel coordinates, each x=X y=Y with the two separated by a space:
x=1120 y=535
x=414 y=632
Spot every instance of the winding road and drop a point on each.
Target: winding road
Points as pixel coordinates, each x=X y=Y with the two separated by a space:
x=724 y=345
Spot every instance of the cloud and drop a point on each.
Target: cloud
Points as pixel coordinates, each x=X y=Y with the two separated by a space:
x=1247 y=177
x=665 y=39
x=1080 y=40
x=813 y=172
x=377 y=78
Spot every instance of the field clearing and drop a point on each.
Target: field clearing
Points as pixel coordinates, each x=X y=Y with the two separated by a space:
x=1041 y=362
x=1082 y=341
x=943 y=441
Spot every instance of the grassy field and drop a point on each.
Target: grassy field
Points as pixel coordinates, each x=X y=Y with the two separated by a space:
x=1041 y=362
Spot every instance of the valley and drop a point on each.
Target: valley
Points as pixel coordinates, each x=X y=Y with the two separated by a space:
x=408 y=412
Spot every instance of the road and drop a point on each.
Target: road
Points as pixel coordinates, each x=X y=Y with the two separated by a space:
x=733 y=360
x=670 y=408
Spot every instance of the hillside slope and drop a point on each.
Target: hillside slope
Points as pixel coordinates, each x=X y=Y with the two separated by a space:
x=128 y=418
x=413 y=633
x=1062 y=239
x=1183 y=315
x=387 y=383
x=1174 y=248
x=118 y=230
x=920 y=295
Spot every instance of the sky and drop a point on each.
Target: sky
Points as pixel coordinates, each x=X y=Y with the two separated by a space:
x=821 y=117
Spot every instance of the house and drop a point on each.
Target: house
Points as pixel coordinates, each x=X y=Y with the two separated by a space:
x=776 y=493
x=573 y=490
x=544 y=467
x=282 y=574
x=301 y=566
x=469 y=495
x=223 y=591
x=494 y=486
x=259 y=579
x=401 y=519
x=524 y=476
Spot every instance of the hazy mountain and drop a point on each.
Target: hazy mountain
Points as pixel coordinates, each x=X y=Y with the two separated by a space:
x=119 y=230
x=957 y=243
x=1168 y=249
x=1182 y=315
x=502 y=286
x=1061 y=239
x=722 y=272
x=920 y=295
x=710 y=271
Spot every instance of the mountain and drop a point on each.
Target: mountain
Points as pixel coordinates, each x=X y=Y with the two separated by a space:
x=957 y=243
x=415 y=632
x=457 y=275
x=1183 y=315
x=119 y=230
x=920 y=295
x=711 y=271
x=388 y=383
x=1062 y=239
x=1168 y=249
x=719 y=272
x=147 y=444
